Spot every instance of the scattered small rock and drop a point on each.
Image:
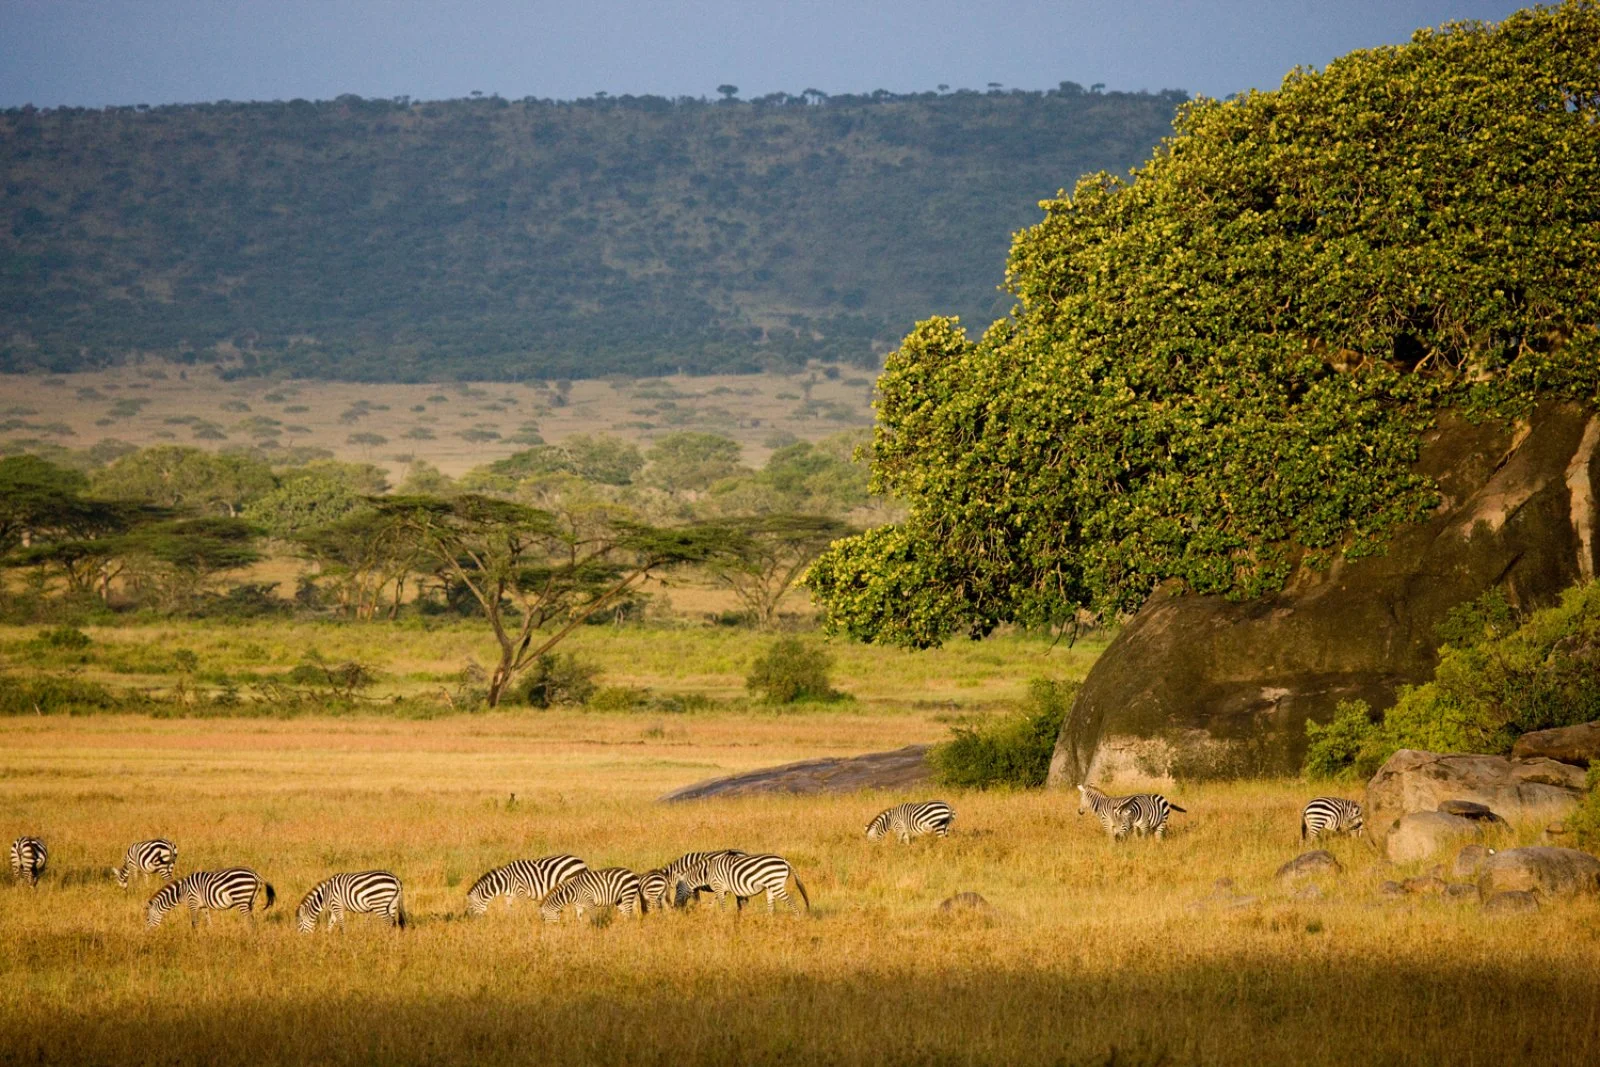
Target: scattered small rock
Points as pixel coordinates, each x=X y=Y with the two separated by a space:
x=1307 y=892
x=965 y=902
x=1468 y=860
x=1557 y=833
x=1471 y=809
x=1391 y=889
x=1459 y=890
x=1428 y=885
x=1554 y=872
x=1309 y=865
x=1512 y=900
x=1222 y=883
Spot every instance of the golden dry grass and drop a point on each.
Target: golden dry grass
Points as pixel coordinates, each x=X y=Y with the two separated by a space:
x=1095 y=953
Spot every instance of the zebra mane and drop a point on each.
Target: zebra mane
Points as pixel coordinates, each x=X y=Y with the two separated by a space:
x=312 y=900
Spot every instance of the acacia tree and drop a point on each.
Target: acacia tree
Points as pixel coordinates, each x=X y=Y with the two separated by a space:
x=529 y=569
x=766 y=554
x=1223 y=369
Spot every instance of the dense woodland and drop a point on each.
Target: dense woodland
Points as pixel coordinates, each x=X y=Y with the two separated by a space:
x=492 y=238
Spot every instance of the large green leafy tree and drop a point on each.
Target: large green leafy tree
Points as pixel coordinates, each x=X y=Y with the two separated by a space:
x=1223 y=368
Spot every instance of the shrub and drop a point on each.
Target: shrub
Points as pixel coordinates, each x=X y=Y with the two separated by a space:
x=339 y=680
x=791 y=670
x=558 y=679
x=46 y=695
x=1508 y=676
x=64 y=637
x=1013 y=752
x=1585 y=822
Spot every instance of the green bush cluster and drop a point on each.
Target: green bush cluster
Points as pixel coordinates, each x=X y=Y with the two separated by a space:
x=1585 y=822
x=1013 y=752
x=791 y=670
x=1503 y=681
x=556 y=679
x=54 y=695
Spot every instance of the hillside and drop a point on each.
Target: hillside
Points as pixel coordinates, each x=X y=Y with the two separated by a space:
x=487 y=238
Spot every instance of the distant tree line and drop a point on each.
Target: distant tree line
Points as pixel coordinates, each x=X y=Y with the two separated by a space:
x=388 y=239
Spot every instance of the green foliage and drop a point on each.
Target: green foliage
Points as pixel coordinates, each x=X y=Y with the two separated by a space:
x=43 y=694
x=1585 y=822
x=631 y=234
x=1484 y=694
x=340 y=681
x=188 y=479
x=790 y=670
x=602 y=458
x=556 y=679
x=1013 y=752
x=1225 y=367
x=302 y=504
x=65 y=637
x=691 y=461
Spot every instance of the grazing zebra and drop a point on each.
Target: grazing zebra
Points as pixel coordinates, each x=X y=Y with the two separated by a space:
x=655 y=886
x=744 y=877
x=690 y=861
x=1141 y=813
x=208 y=891
x=28 y=856
x=912 y=820
x=363 y=892
x=1330 y=815
x=533 y=879
x=608 y=887
x=157 y=856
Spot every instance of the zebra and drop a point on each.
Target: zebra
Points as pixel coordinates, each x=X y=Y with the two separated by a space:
x=655 y=886
x=1330 y=815
x=912 y=820
x=1141 y=813
x=156 y=856
x=687 y=862
x=365 y=892
x=745 y=877
x=608 y=887
x=208 y=891
x=28 y=856
x=533 y=879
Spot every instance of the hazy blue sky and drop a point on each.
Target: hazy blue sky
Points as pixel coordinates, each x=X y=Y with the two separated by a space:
x=94 y=52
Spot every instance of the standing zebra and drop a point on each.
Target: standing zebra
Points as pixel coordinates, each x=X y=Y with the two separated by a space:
x=156 y=856
x=912 y=820
x=363 y=892
x=1141 y=813
x=1330 y=815
x=655 y=887
x=208 y=891
x=690 y=861
x=615 y=887
x=28 y=856
x=533 y=879
x=745 y=877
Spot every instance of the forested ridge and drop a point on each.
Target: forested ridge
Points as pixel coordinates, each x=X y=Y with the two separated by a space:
x=375 y=239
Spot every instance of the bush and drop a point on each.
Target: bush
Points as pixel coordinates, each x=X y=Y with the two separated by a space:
x=791 y=670
x=46 y=695
x=1585 y=822
x=558 y=679
x=1013 y=752
x=69 y=637
x=1506 y=677
x=341 y=681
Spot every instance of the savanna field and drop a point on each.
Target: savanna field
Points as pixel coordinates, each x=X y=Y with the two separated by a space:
x=1093 y=953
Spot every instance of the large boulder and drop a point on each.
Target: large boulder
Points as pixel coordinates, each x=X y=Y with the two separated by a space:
x=1424 y=834
x=1416 y=781
x=1577 y=745
x=901 y=768
x=1227 y=687
x=1550 y=872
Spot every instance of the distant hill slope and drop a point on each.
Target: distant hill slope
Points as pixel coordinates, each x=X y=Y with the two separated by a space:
x=486 y=238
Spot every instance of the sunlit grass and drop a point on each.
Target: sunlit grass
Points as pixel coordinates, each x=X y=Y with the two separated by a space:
x=1092 y=947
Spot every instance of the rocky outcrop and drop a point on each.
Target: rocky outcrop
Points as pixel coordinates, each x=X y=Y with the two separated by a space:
x=1577 y=745
x=1424 y=834
x=1468 y=860
x=1415 y=781
x=1549 y=872
x=899 y=769
x=1229 y=686
x=1308 y=865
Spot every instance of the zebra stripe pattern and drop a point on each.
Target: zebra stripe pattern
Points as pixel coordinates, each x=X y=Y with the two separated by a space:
x=144 y=858
x=28 y=857
x=232 y=887
x=362 y=892
x=1141 y=813
x=745 y=877
x=533 y=879
x=1330 y=815
x=655 y=887
x=912 y=820
x=690 y=861
x=608 y=887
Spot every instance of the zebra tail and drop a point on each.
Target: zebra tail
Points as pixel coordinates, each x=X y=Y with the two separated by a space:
x=1175 y=807
x=272 y=895
x=1302 y=827
x=798 y=884
x=400 y=919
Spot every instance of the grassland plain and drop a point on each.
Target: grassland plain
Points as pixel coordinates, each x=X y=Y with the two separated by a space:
x=1095 y=953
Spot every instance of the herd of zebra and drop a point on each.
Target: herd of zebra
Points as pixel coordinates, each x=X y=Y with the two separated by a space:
x=563 y=881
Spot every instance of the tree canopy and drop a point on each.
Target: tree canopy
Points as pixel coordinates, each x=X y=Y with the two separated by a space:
x=1223 y=368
